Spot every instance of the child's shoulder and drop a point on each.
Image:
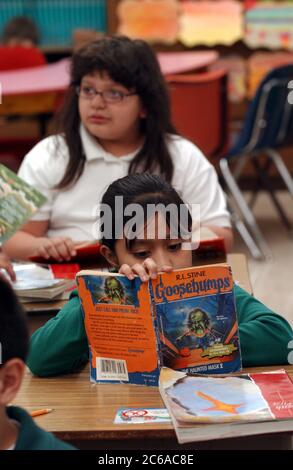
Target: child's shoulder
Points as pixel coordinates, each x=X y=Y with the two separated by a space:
x=51 y=152
x=184 y=153
x=30 y=436
x=49 y=145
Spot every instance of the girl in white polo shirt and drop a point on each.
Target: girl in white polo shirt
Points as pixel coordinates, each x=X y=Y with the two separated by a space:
x=115 y=121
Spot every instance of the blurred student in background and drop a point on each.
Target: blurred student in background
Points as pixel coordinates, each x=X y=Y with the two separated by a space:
x=115 y=121
x=19 y=49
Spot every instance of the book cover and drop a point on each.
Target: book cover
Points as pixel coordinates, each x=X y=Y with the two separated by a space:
x=133 y=328
x=18 y=202
x=120 y=328
x=214 y=407
x=197 y=321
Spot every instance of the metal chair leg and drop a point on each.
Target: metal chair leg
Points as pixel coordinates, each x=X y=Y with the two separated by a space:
x=244 y=208
x=258 y=186
x=268 y=186
x=282 y=169
x=245 y=235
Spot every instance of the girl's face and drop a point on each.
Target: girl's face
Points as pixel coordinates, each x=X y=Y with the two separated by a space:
x=164 y=251
x=116 y=122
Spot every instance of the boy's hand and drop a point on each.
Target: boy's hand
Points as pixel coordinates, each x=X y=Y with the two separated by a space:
x=6 y=264
x=59 y=248
x=146 y=270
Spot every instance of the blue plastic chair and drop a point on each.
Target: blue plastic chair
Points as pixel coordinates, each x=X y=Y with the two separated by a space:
x=268 y=127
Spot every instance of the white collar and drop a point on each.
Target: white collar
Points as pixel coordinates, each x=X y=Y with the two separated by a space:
x=93 y=150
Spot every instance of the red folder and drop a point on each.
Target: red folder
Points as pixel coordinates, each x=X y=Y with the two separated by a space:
x=85 y=253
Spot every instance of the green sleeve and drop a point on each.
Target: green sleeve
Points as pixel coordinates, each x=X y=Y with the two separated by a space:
x=264 y=335
x=60 y=346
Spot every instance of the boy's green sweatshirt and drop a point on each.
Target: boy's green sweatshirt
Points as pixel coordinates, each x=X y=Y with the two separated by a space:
x=30 y=436
x=60 y=346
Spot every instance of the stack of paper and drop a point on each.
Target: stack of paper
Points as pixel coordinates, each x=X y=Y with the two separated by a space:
x=35 y=282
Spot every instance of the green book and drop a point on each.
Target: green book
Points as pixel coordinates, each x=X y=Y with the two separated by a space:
x=18 y=202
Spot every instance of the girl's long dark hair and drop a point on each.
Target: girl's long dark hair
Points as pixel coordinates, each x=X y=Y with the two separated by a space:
x=143 y=189
x=133 y=64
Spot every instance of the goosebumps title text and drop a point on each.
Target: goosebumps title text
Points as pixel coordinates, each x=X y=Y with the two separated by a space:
x=193 y=287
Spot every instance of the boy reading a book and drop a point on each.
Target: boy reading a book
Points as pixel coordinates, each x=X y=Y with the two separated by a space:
x=61 y=345
x=17 y=429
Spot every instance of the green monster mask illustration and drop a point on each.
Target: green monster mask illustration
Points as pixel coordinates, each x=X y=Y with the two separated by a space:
x=114 y=290
x=198 y=323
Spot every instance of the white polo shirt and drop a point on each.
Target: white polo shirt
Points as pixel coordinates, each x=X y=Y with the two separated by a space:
x=71 y=211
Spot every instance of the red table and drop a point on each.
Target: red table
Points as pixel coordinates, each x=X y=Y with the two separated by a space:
x=55 y=77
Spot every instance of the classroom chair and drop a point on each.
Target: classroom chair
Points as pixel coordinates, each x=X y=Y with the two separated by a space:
x=199 y=112
x=267 y=128
x=199 y=109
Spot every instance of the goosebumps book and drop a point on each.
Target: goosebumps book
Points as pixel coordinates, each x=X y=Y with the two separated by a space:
x=185 y=320
x=204 y=407
x=120 y=328
x=197 y=321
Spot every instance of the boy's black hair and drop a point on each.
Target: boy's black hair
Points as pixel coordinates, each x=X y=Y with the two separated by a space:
x=21 y=28
x=14 y=337
x=143 y=189
x=133 y=64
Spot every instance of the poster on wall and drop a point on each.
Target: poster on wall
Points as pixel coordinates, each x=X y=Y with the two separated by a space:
x=151 y=20
x=260 y=64
x=210 y=22
x=269 y=24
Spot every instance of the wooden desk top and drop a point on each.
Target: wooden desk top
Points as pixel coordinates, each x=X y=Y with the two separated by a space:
x=44 y=307
x=238 y=263
x=85 y=412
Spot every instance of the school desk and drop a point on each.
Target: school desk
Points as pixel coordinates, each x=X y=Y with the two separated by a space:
x=84 y=414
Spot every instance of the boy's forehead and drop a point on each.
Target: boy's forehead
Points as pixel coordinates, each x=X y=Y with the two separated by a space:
x=155 y=228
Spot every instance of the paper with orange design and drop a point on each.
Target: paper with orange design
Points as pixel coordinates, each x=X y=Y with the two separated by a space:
x=210 y=23
x=151 y=20
x=207 y=408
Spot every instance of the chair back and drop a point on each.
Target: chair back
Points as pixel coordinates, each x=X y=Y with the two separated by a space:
x=199 y=109
x=269 y=119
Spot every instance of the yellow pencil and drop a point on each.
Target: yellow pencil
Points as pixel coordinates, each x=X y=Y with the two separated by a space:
x=41 y=412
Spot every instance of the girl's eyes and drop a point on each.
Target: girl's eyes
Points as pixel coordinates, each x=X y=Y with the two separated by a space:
x=145 y=254
x=87 y=90
x=111 y=95
x=175 y=246
x=115 y=94
x=141 y=254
